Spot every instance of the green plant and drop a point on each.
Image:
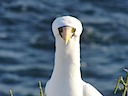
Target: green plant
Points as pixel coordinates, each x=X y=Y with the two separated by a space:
x=40 y=87
x=124 y=83
x=41 y=90
x=11 y=94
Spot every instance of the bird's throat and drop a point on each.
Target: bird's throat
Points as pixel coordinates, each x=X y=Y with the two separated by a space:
x=67 y=60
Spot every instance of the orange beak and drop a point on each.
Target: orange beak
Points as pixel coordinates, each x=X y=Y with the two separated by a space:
x=67 y=34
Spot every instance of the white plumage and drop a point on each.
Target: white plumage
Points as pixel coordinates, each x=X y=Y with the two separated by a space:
x=66 y=77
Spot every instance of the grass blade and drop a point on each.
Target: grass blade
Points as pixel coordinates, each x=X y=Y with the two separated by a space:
x=41 y=90
x=11 y=94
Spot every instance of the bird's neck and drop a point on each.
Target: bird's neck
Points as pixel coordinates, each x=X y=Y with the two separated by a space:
x=67 y=60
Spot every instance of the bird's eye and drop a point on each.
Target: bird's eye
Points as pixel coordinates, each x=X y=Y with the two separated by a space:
x=60 y=30
x=73 y=30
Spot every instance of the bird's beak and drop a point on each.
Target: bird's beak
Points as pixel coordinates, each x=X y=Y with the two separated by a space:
x=67 y=34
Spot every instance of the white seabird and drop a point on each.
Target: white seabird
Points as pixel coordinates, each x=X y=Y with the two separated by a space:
x=66 y=77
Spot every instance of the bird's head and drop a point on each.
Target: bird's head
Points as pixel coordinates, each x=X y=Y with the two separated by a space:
x=66 y=28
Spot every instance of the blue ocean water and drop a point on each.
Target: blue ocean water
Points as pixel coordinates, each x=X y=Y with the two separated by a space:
x=27 y=43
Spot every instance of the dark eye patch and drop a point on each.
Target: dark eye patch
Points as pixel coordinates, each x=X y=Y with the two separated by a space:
x=60 y=29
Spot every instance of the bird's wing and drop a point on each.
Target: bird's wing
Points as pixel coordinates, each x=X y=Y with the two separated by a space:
x=89 y=90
